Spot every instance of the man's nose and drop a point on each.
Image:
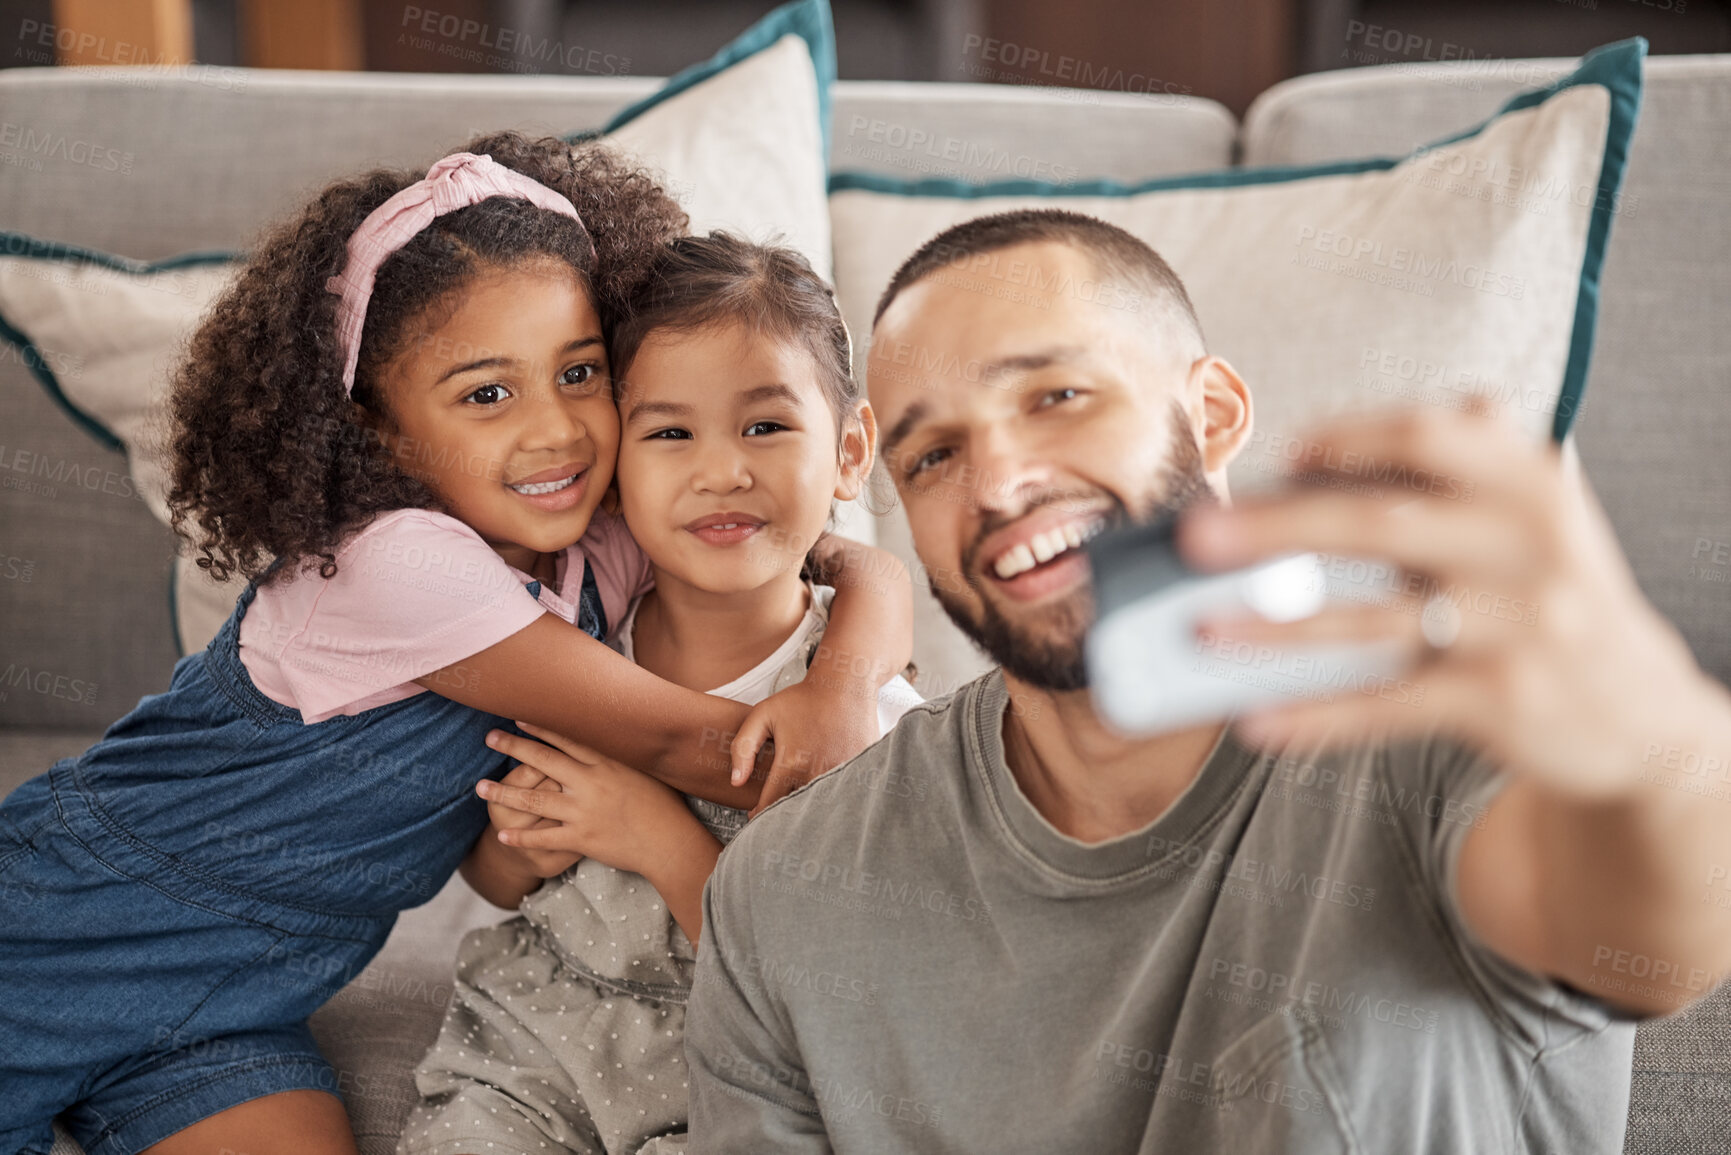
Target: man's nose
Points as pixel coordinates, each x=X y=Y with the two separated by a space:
x=1004 y=465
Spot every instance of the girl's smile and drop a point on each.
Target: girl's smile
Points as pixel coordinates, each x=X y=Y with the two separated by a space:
x=554 y=490
x=725 y=528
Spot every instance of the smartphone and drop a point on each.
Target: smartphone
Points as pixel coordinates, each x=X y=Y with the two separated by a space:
x=1147 y=670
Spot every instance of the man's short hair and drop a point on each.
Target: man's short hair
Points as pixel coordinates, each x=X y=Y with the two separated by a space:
x=1117 y=254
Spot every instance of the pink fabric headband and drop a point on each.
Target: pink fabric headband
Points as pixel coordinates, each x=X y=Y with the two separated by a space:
x=454 y=182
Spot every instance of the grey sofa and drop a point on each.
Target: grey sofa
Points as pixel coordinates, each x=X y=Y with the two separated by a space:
x=84 y=574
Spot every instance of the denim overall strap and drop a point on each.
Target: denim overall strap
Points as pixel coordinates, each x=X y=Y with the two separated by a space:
x=591 y=614
x=222 y=660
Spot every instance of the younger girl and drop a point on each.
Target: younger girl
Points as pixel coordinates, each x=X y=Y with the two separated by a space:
x=742 y=424
x=398 y=424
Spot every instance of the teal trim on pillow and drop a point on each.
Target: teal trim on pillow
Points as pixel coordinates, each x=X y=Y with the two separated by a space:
x=30 y=248
x=807 y=19
x=33 y=361
x=1616 y=67
x=1624 y=85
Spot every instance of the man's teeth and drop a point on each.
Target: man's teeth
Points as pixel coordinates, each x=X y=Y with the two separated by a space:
x=1015 y=562
x=1042 y=548
x=545 y=486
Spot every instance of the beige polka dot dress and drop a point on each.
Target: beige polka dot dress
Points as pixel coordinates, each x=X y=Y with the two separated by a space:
x=566 y=1031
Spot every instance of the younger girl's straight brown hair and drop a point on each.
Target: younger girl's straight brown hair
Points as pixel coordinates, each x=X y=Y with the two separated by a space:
x=696 y=282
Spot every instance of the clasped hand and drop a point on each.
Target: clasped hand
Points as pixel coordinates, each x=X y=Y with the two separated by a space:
x=565 y=801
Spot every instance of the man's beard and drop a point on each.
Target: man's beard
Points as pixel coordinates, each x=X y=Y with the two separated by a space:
x=1054 y=659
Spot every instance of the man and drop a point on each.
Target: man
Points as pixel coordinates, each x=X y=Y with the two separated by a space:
x=1422 y=917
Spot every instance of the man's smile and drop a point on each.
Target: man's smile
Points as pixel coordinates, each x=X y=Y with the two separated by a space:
x=1039 y=552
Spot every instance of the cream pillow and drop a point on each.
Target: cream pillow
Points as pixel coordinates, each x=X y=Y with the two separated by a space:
x=1471 y=266
x=740 y=140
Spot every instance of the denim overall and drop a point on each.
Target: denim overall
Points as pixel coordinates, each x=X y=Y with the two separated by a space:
x=178 y=899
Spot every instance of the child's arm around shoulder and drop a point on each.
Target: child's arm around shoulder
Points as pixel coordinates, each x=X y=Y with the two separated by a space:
x=420 y=590
x=870 y=638
x=557 y=677
x=517 y=659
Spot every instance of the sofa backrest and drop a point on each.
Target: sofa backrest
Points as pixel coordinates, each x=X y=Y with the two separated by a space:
x=203 y=161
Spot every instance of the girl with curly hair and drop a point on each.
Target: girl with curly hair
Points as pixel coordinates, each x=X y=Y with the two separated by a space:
x=398 y=424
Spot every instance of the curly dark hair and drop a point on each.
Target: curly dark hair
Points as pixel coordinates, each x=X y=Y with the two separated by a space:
x=267 y=454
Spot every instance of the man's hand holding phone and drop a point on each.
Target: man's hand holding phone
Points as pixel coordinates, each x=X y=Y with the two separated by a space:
x=1553 y=662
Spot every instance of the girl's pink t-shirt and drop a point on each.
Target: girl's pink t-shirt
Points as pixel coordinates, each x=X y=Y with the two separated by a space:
x=416 y=591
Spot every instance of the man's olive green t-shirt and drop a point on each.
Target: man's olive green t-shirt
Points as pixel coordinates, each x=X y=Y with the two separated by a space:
x=905 y=955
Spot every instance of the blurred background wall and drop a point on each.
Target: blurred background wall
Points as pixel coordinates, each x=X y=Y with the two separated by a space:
x=1225 y=49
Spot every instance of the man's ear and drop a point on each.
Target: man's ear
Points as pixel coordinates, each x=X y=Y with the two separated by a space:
x=859 y=443
x=1227 y=412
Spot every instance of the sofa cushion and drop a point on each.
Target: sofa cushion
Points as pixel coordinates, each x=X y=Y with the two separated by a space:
x=1439 y=275
x=84 y=570
x=375 y=1030
x=26 y=753
x=742 y=139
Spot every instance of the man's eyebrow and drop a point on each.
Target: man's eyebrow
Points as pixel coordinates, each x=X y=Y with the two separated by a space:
x=505 y=362
x=912 y=416
x=1040 y=359
x=1020 y=363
